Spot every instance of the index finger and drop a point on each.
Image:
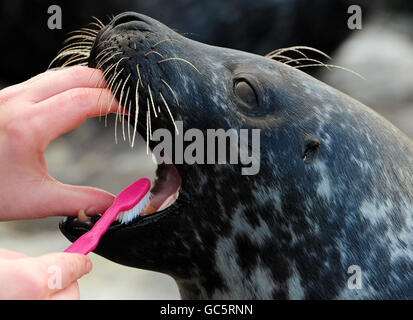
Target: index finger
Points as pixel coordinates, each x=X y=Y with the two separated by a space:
x=53 y=83
x=66 y=111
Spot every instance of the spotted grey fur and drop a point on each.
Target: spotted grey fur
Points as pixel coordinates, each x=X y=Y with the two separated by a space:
x=335 y=186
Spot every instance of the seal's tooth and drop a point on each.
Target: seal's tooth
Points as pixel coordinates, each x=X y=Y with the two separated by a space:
x=82 y=217
x=148 y=210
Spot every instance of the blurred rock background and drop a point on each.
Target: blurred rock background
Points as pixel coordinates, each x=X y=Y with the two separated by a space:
x=382 y=52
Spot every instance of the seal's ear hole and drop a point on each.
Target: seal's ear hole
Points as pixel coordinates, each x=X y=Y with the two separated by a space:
x=246 y=93
x=310 y=151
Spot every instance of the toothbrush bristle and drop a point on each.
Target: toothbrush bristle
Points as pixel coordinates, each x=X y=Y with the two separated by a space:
x=127 y=216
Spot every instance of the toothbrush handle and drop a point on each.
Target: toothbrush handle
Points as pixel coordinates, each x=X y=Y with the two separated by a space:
x=85 y=244
x=89 y=241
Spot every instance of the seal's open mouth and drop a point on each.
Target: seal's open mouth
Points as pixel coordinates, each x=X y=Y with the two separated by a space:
x=166 y=188
x=164 y=194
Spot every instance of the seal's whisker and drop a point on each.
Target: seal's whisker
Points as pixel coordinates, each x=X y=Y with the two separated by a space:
x=76 y=54
x=105 y=73
x=104 y=50
x=102 y=43
x=90 y=31
x=286 y=50
x=114 y=93
x=331 y=66
x=70 y=53
x=109 y=58
x=78 y=39
x=72 y=56
x=117 y=114
x=111 y=82
x=136 y=111
x=110 y=78
x=100 y=104
x=71 y=50
x=100 y=60
x=111 y=102
x=124 y=113
x=281 y=57
x=72 y=60
x=139 y=74
x=150 y=120
x=99 y=22
x=80 y=36
x=122 y=94
x=96 y=25
x=314 y=50
x=78 y=45
x=155 y=52
x=307 y=59
x=120 y=107
x=169 y=111
x=153 y=105
x=78 y=33
x=82 y=44
x=179 y=59
x=277 y=53
x=77 y=64
x=109 y=17
x=164 y=40
x=118 y=63
x=129 y=110
x=82 y=31
x=297 y=49
x=53 y=61
x=147 y=130
x=172 y=91
x=114 y=75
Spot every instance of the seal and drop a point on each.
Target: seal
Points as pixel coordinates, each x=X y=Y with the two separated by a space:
x=329 y=215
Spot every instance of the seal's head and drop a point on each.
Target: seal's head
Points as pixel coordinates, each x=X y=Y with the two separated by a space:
x=288 y=228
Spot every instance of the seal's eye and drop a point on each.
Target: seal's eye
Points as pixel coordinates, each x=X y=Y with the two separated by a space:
x=246 y=93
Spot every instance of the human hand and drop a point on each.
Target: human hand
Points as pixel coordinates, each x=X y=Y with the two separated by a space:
x=32 y=114
x=51 y=276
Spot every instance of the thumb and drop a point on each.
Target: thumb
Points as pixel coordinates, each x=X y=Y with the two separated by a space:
x=67 y=200
x=70 y=266
x=7 y=254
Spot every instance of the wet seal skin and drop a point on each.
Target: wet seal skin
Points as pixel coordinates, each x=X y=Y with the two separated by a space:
x=334 y=190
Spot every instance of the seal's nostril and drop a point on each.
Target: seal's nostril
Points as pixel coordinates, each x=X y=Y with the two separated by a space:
x=125 y=18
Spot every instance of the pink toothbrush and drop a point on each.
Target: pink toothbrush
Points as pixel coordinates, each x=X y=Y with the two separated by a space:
x=129 y=203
